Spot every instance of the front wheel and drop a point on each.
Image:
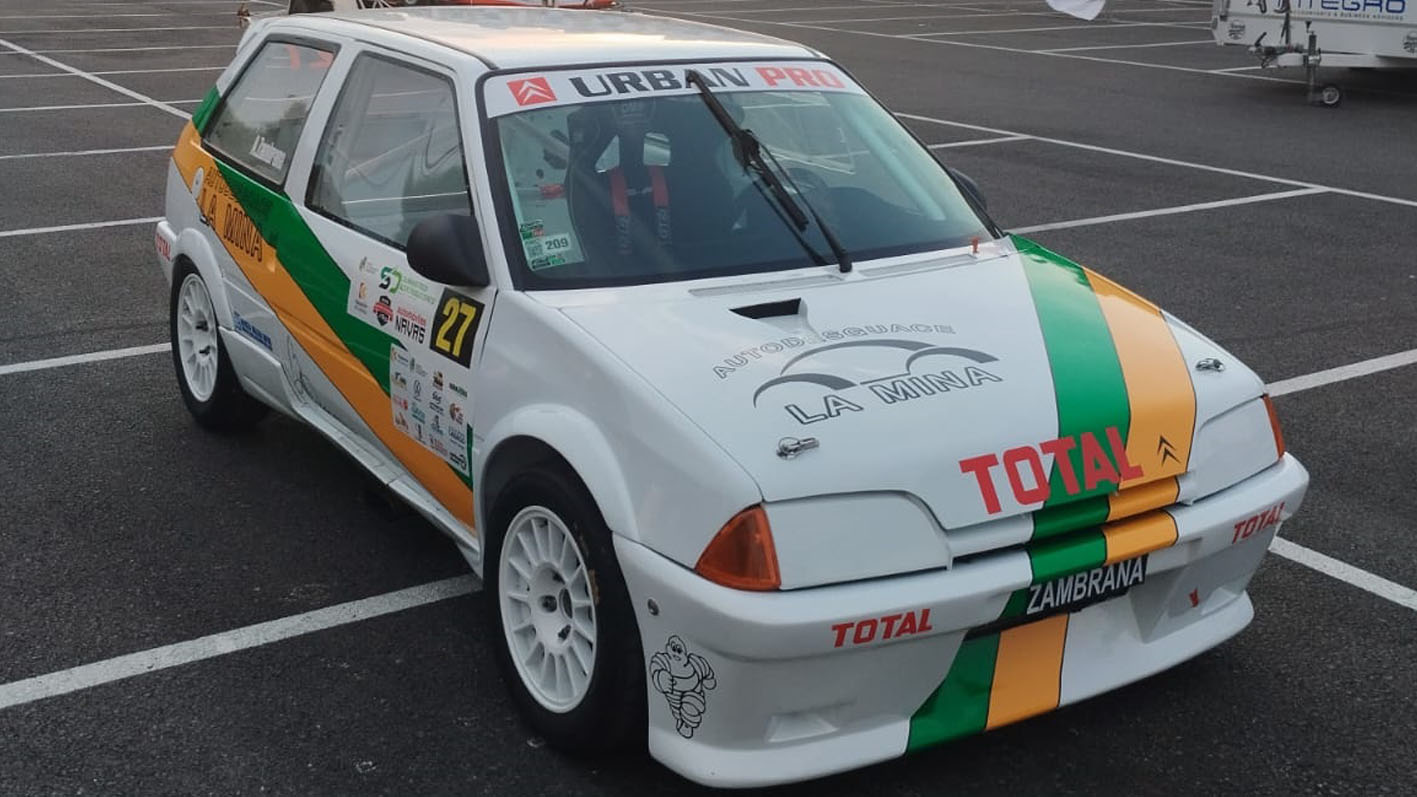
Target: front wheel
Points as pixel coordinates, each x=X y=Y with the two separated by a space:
x=560 y=614
x=209 y=385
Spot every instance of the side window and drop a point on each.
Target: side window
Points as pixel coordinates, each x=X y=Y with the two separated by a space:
x=259 y=120
x=392 y=153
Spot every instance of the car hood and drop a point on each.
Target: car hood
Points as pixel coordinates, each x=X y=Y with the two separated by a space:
x=983 y=385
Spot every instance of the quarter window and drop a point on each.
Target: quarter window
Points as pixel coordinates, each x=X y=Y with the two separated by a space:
x=392 y=154
x=259 y=121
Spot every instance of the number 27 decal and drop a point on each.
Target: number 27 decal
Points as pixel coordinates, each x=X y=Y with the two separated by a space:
x=455 y=327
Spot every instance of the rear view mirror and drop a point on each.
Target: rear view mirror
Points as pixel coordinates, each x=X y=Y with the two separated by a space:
x=448 y=249
x=969 y=187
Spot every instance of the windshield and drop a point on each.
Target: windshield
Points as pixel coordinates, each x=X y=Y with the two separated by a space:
x=624 y=177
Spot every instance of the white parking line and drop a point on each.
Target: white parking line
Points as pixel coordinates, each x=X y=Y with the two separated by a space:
x=146 y=661
x=115 y=30
x=82 y=152
x=974 y=142
x=80 y=359
x=92 y=225
x=108 y=16
x=120 y=72
x=1092 y=26
x=1169 y=161
x=1019 y=50
x=1170 y=211
x=1362 y=579
x=1343 y=373
x=1126 y=46
x=93 y=105
x=108 y=84
x=131 y=49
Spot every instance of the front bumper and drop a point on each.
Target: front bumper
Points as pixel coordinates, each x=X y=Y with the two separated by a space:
x=753 y=689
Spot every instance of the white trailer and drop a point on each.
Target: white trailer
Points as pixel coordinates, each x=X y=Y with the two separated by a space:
x=1372 y=34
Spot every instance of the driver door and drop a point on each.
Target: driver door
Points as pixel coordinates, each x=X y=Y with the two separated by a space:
x=390 y=156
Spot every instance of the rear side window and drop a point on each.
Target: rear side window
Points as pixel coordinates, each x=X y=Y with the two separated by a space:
x=392 y=153
x=259 y=120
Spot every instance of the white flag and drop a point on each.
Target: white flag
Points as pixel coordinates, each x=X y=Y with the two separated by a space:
x=1082 y=9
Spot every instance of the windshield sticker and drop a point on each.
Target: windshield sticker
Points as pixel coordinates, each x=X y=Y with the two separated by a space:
x=545 y=251
x=392 y=300
x=430 y=405
x=268 y=153
x=504 y=95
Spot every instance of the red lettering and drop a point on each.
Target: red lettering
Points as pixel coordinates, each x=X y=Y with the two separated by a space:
x=1059 y=449
x=1119 y=453
x=980 y=466
x=1096 y=467
x=907 y=626
x=840 y=629
x=869 y=629
x=826 y=78
x=1238 y=527
x=889 y=620
x=1039 y=491
x=801 y=77
x=771 y=75
x=925 y=621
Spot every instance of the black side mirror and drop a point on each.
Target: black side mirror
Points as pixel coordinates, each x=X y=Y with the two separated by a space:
x=448 y=249
x=970 y=188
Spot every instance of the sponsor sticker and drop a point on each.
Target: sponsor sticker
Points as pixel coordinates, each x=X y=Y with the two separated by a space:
x=1258 y=522
x=393 y=300
x=251 y=331
x=1090 y=586
x=421 y=410
x=505 y=95
x=891 y=626
x=684 y=679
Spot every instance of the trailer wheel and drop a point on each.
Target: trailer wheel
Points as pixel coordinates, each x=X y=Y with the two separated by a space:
x=1330 y=96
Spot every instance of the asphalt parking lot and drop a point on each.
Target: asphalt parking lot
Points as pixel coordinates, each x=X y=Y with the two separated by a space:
x=329 y=645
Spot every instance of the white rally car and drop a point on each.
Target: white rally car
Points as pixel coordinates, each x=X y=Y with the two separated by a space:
x=771 y=449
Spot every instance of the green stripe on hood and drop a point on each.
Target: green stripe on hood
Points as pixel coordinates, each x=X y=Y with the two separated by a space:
x=1087 y=376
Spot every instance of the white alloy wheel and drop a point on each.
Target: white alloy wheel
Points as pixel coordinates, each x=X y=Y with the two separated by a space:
x=197 y=337
x=548 y=614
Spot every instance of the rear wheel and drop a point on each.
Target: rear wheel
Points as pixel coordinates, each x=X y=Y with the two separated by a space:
x=559 y=611
x=209 y=385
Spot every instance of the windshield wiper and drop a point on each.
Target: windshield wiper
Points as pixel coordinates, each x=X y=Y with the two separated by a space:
x=754 y=157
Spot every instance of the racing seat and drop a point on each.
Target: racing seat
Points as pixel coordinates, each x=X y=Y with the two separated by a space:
x=639 y=214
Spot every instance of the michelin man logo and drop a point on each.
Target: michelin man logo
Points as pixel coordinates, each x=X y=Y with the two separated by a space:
x=682 y=677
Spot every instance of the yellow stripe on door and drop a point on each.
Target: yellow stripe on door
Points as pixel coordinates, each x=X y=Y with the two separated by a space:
x=1163 y=402
x=305 y=323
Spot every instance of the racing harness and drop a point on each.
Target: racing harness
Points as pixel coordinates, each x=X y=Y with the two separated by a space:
x=620 y=204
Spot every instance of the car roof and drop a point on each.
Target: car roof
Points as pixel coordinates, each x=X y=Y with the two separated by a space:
x=508 y=37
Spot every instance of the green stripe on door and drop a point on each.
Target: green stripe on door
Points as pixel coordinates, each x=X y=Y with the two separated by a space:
x=1088 y=384
x=959 y=706
x=322 y=281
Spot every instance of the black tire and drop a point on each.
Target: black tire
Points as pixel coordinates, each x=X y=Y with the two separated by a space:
x=228 y=408
x=612 y=717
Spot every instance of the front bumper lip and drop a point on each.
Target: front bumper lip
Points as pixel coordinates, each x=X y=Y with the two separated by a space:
x=789 y=704
x=798 y=623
